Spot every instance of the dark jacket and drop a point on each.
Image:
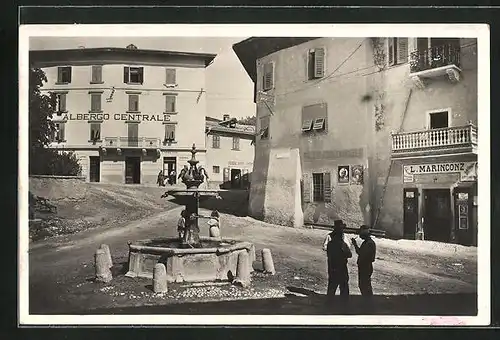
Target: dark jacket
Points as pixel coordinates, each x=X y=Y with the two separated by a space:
x=337 y=250
x=366 y=253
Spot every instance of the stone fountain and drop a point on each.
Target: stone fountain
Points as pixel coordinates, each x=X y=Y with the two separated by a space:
x=193 y=258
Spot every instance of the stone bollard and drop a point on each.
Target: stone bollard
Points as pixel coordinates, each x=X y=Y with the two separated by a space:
x=105 y=247
x=243 y=270
x=160 y=278
x=251 y=257
x=102 y=272
x=267 y=262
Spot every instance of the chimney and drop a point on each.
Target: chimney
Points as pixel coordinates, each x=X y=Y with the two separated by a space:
x=225 y=117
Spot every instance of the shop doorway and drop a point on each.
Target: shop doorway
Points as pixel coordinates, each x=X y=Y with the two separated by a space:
x=235 y=178
x=169 y=166
x=95 y=168
x=437 y=215
x=410 y=215
x=132 y=170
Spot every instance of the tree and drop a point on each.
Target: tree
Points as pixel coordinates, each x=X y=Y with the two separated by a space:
x=250 y=120
x=43 y=160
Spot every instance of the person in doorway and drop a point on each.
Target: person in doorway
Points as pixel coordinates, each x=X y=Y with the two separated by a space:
x=214 y=224
x=171 y=177
x=181 y=225
x=160 y=179
x=338 y=253
x=366 y=257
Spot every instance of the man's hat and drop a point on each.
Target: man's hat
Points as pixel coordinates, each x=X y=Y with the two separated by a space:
x=364 y=227
x=338 y=225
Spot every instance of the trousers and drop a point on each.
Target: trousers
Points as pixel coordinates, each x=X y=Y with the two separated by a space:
x=338 y=277
x=365 y=272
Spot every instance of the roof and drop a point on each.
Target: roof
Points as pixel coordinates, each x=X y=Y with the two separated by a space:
x=213 y=124
x=74 y=54
x=251 y=49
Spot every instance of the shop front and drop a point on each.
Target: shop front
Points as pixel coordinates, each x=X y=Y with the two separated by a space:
x=440 y=200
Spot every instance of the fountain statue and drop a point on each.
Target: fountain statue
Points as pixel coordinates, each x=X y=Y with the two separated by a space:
x=193 y=257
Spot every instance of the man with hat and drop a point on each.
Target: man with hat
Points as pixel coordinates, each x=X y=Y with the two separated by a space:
x=338 y=252
x=366 y=257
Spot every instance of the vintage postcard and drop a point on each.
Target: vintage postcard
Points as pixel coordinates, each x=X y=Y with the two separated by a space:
x=198 y=174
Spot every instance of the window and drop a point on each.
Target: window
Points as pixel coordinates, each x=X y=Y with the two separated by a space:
x=438 y=120
x=236 y=143
x=133 y=102
x=398 y=51
x=95 y=132
x=64 y=75
x=96 y=74
x=268 y=79
x=95 y=102
x=133 y=75
x=264 y=127
x=61 y=103
x=216 y=169
x=314 y=118
x=170 y=103
x=169 y=132
x=58 y=134
x=170 y=76
x=215 y=141
x=316 y=63
x=321 y=187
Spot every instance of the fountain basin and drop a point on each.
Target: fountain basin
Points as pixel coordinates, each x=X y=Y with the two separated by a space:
x=215 y=261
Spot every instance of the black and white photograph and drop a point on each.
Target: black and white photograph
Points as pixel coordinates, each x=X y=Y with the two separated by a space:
x=301 y=174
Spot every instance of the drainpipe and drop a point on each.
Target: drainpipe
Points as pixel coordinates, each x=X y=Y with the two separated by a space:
x=375 y=224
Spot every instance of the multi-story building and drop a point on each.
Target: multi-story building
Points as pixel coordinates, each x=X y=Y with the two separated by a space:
x=127 y=113
x=230 y=152
x=370 y=130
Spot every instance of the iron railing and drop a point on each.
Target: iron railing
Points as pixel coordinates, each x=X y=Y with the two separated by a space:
x=130 y=142
x=463 y=136
x=434 y=57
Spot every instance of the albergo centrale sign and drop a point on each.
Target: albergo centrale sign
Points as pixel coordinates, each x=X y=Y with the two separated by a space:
x=118 y=116
x=467 y=170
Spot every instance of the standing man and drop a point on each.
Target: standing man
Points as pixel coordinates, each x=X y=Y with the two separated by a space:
x=338 y=252
x=366 y=257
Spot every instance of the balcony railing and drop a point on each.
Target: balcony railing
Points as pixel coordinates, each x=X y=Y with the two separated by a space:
x=129 y=142
x=435 y=139
x=435 y=57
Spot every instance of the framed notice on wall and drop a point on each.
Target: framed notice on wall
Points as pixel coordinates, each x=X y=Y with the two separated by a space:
x=343 y=174
x=357 y=174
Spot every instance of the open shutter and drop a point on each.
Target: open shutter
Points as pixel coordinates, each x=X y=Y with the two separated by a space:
x=169 y=103
x=319 y=62
x=70 y=71
x=306 y=188
x=390 y=42
x=327 y=187
x=402 y=50
x=62 y=102
x=141 y=75
x=126 y=72
x=225 y=175
x=59 y=74
x=268 y=76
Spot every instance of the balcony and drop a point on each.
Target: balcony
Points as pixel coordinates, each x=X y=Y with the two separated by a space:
x=435 y=62
x=120 y=143
x=445 y=141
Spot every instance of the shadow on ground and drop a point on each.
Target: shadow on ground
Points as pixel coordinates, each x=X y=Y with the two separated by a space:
x=318 y=304
x=233 y=202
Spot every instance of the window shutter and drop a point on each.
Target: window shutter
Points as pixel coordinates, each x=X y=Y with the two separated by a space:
x=319 y=62
x=306 y=188
x=141 y=75
x=59 y=74
x=61 y=132
x=96 y=73
x=62 y=102
x=391 y=51
x=327 y=187
x=131 y=103
x=126 y=72
x=402 y=50
x=69 y=74
x=169 y=103
x=170 y=76
x=268 y=76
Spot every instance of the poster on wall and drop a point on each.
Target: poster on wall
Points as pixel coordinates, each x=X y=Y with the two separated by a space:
x=357 y=174
x=343 y=174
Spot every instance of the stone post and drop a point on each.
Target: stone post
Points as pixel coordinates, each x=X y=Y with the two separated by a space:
x=102 y=272
x=267 y=262
x=105 y=247
x=252 y=256
x=243 y=270
x=160 y=278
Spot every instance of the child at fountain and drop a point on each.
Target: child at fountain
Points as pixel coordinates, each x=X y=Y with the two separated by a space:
x=181 y=224
x=214 y=225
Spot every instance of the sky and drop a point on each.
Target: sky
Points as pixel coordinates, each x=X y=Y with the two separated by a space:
x=229 y=88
